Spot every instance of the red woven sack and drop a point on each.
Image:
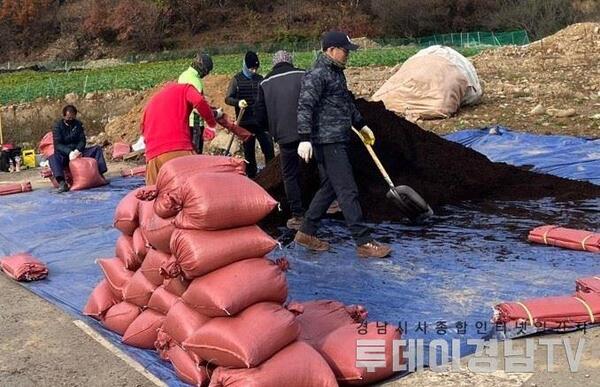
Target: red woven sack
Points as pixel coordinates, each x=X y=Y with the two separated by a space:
x=217 y=201
x=143 y=330
x=138 y=290
x=85 y=174
x=124 y=250
x=158 y=233
x=47 y=145
x=101 y=299
x=126 y=214
x=186 y=368
x=23 y=267
x=177 y=285
x=199 y=252
x=162 y=300
x=116 y=275
x=339 y=348
x=15 y=188
x=152 y=264
x=229 y=290
x=567 y=238
x=182 y=321
x=119 y=317
x=140 y=246
x=247 y=339
x=297 y=365
x=550 y=312
x=175 y=173
x=120 y=149
x=319 y=318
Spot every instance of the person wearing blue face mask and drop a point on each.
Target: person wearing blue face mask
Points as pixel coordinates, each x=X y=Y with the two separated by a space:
x=243 y=94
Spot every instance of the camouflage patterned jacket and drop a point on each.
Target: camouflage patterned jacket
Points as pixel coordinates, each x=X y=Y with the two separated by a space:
x=326 y=109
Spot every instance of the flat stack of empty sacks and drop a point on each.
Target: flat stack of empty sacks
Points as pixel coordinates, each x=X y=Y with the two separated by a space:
x=191 y=280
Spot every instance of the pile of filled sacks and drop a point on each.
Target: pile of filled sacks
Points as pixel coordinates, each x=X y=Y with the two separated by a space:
x=191 y=280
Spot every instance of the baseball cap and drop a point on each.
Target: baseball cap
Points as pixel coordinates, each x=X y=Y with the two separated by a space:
x=337 y=39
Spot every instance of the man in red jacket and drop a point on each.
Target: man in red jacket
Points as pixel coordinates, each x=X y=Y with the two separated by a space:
x=165 y=125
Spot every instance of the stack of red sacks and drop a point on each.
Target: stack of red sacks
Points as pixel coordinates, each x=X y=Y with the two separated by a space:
x=191 y=279
x=578 y=310
x=550 y=312
x=567 y=238
x=23 y=267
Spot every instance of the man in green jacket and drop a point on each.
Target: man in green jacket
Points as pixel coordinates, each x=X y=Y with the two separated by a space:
x=200 y=67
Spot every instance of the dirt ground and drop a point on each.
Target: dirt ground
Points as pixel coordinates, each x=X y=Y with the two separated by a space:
x=40 y=345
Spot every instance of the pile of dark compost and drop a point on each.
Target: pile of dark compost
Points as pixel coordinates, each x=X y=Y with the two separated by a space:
x=443 y=172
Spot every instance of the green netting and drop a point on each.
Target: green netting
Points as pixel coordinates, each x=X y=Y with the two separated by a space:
x=468 y=39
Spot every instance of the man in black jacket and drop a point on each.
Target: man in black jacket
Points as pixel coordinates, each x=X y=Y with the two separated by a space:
x=69 y=143
x=243 y=93
x=277 y=108
x=326 y=114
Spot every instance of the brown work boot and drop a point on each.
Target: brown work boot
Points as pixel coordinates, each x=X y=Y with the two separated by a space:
x=334 y=208
x=373 y=249
x=310 y=242
x=294 y=223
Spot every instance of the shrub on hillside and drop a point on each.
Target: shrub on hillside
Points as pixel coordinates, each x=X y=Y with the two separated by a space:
x=30 y=24
x=127 y=21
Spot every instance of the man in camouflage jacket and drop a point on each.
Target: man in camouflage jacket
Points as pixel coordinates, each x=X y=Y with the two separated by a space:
x=326 y=114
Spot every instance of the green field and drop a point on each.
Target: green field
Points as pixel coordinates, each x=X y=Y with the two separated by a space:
x=28 y=85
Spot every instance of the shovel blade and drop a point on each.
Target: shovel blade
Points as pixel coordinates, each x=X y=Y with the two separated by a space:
x=410 y=203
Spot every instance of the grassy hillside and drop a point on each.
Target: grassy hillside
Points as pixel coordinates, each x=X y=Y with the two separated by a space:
x=28 y=85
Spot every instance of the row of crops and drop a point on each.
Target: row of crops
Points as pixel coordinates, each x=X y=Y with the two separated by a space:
x=28 y=85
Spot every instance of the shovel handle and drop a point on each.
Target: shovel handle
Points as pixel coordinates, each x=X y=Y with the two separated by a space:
x=237 y=122
x=376 y=160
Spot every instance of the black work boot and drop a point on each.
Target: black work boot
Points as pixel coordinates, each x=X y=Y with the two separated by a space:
x=62 y=186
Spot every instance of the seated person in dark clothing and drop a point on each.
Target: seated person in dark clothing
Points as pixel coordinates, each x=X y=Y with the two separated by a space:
x=69 y=143
x=8 y=157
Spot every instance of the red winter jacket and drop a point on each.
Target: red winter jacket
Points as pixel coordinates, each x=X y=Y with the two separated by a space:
x=165 y=120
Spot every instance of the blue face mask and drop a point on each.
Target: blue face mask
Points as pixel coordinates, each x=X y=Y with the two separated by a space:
x=247 y=73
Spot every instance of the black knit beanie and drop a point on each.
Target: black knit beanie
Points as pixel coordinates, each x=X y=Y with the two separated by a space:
x=251 y=60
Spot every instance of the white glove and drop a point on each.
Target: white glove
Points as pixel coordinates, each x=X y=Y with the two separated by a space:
x=74 y=154
x=367 y=135
x=242 y=104
x=305 y=150
x=218 y=113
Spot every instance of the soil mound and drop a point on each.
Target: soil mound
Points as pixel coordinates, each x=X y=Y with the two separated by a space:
x=571 y=45
x=443 y=172
x=532 y=88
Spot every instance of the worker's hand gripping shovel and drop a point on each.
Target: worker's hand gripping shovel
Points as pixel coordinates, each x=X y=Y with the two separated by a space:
x=237 y=122
x=410 y=203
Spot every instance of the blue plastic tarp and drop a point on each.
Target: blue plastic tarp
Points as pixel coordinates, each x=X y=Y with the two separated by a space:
x=455 y=269
x=565 y=156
